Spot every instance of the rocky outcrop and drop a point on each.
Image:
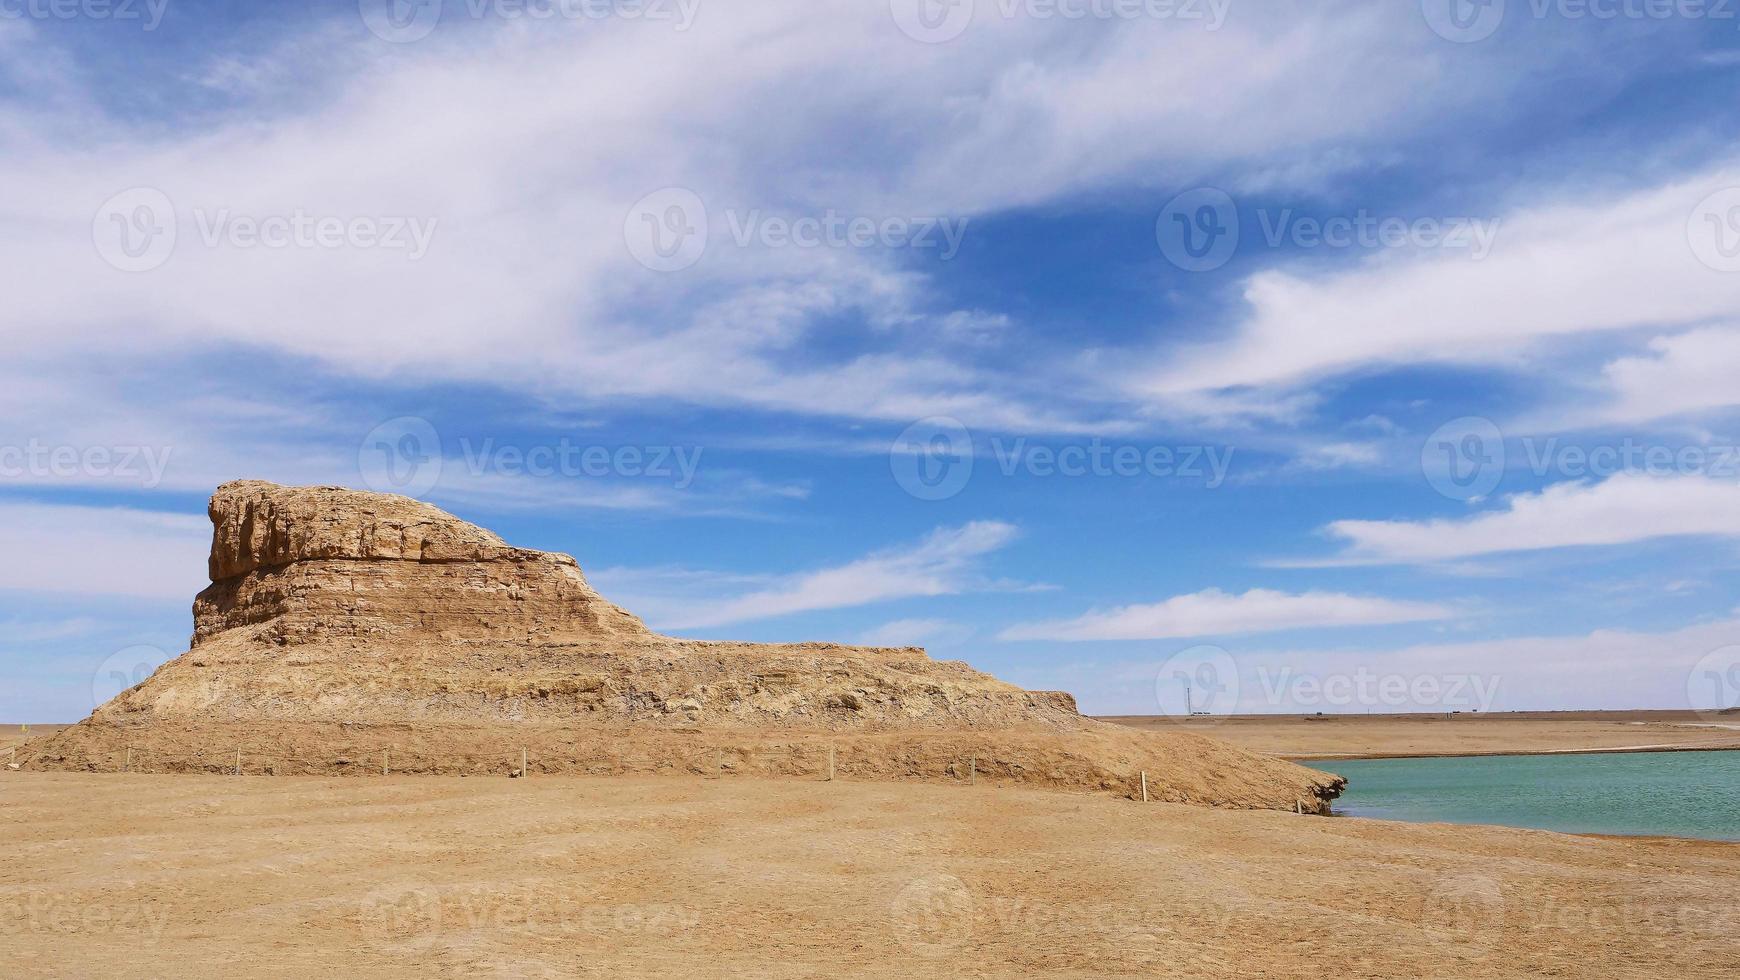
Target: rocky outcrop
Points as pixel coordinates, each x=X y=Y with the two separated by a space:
x=343 y=627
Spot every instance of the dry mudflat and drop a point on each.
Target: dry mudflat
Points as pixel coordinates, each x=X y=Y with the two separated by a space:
x=112 y=875
x=1382 y=736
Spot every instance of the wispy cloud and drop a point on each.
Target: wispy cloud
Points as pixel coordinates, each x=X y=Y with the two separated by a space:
x=1597 y=669
x=39 y=630
x=1562 y=275
x=1212 y=612
x=1623 y=509
x=915 y=632
x=945 y=562
x=116 y=551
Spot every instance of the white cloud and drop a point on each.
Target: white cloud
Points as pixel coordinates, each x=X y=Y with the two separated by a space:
x=528 y=282
x=1622 y=509
x=103 y=551
x=1685 y=373
x=1559 y=272
x=1608 y=669
x=915 y=632
x=1216 y=613
x=942 y=563
x=36 y=631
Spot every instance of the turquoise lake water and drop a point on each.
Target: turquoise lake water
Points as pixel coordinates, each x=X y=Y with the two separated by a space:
x=1680 y=794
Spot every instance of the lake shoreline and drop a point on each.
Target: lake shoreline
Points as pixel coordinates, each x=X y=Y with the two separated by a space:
x=1334 y=737
x=1680 y=797
x=1498 y=753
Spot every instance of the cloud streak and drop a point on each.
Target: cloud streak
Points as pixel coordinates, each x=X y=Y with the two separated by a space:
x=1623 y=509
x=945 y=562
x=1212 y=612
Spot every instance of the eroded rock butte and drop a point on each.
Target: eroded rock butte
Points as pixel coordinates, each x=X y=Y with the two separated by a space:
x=352 y=632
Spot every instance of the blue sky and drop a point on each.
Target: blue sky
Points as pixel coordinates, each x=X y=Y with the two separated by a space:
x=1296 y=347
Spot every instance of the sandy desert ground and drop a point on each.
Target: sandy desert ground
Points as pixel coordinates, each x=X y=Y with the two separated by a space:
x=1382 y=736
x=151 y=876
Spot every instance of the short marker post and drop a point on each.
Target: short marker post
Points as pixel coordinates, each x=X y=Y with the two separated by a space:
x=128 y=765
x=238 y=760
x=1144 y=786
x=386 y=755
x=523 y=769
x=830 y=763
x=973 y=771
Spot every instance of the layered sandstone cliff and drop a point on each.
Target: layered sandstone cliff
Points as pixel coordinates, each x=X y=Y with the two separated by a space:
x=354 y=632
